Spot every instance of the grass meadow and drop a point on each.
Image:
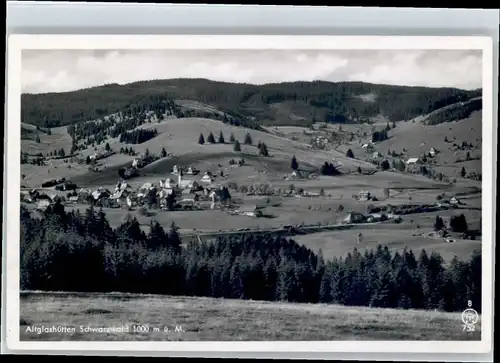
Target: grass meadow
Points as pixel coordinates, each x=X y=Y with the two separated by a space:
x=208 y=319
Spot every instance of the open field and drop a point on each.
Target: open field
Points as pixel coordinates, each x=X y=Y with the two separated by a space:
x=395 y=237
x=58 y=139
x=207 y=319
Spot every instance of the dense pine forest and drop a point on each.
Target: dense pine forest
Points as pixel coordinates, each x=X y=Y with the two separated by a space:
x=450 y=114
x=70 y=251
x=249 y=104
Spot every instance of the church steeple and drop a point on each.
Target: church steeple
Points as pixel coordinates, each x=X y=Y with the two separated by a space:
x=180 y=177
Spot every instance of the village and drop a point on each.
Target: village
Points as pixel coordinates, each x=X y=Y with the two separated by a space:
x=188 y=189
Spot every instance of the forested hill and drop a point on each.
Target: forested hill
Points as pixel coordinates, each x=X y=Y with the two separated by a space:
x=296 y=103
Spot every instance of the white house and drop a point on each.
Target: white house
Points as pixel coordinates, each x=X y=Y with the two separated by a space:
x=376 y=154
x=121 y=185
x=192 y=171
x=374 y=217
x=129 y=202
x=100 y=193
x=167 y=184
x=175 y=170
x=432 y=152
x=42 y=203
x=165 y=192
x=146 y=187
x=185 y=183
x=119 y=194
x=367 y=146
x=412 y=161
x=135 y=163
x=207 y=179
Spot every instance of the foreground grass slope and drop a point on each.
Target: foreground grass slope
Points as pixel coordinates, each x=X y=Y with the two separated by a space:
x=211 y=319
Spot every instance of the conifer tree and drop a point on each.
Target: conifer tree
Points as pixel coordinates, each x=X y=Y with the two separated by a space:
x=221 y=138
x=211 y=138
x=248 y=139
x=237 y=146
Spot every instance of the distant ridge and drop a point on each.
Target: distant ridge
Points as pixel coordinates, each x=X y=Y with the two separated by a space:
x=289 y=103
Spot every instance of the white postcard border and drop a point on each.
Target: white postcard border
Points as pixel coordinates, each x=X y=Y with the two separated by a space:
x=17 y=43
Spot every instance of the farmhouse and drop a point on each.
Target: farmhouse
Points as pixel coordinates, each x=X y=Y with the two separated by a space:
x=136 y=163
x=130 y=202
x=120 y=195
x=300 y=174
x=374 y=217
x=100 y=194
x=376 y=154
x=364 y=196
x=163 y=193
x=368 y=146
x=432 y=152
x=249 y=211
x=192 y=171
x=412 y=161
x=168 y=184
x=146 y=187
x=354 y=217
x=207 y=178
x=186 y=183
x=121 y=185
x=73 y=199
x=43 y=201
x=84 y=195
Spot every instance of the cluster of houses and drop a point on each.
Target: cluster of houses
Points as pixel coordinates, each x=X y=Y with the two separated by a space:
x=411 y=161
x=187 y=193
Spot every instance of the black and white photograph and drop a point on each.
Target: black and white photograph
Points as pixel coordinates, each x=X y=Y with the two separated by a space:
x=244 y=194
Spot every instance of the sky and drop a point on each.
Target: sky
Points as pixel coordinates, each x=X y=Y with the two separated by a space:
x=67 y=70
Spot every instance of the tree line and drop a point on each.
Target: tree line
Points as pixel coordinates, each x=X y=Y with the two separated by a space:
x=138 y=136
x=243 y=103
x=73 y=251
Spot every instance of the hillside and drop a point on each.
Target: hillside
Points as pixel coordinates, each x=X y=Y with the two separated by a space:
x=297 y=103
x=207 y=319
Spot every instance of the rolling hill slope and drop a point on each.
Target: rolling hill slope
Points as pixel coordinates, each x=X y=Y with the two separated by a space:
x=297 y=103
